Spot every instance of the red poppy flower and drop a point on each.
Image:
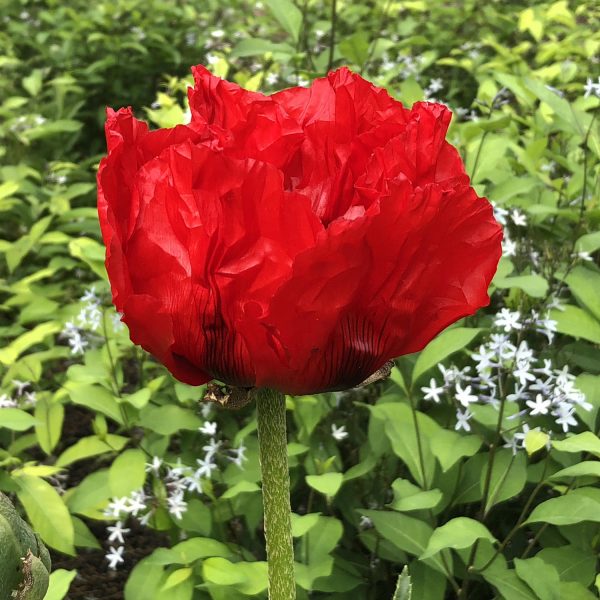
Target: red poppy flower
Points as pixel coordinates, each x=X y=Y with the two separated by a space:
x=296 y=241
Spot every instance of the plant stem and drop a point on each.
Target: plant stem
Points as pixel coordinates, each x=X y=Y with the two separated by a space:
x=272 y=442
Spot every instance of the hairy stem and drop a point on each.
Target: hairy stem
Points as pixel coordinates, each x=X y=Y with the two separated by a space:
x=272 y=443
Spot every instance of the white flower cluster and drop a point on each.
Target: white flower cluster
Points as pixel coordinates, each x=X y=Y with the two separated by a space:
x=23 y=398
x=591 y=88
x=506 y=369
x=504 y=216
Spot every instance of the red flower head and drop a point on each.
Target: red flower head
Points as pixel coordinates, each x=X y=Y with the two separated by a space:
x=296 y=241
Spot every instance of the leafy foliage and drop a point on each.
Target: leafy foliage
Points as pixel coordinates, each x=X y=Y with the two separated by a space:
x=473 y=470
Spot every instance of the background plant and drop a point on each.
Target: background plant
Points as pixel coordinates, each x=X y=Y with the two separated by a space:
x=475 y=464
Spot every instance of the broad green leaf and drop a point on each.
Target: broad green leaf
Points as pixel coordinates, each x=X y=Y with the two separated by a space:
x=449 y=447
x=51 y=128
x=247 y=577
x=403 y=586
x=96 y=398
x=507 y=582
x=541 y=577
x=507 y=478
x=408 y=497
x=575 y=591
x=127 y=473
x=461 y=532
x=576 y=322
x=169 y=419
x=49 y=418
x=582 y=442
x=189 y=551
x=47 y=513
x=288 y=15
x=242 y=487
x=144 y=581
x=92 y=493
x=446 y=343
x=303 y=523
x=91 y=253
x=590 y=386
x=573 y=507
x=533 y=285
x=327 y=484
x=572 y=563
x=590 y=242
x=584 y=284
x=587 y=468
x=535 y=440
x=414 y=450
x=138 y=399
x=10 y=353
x=355 y=48
x=176 y=577
x=16 y=419
x=60 y=582
x=407 y=533
x=91 y=446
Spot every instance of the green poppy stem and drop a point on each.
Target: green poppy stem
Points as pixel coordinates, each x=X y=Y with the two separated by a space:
x=272 y=442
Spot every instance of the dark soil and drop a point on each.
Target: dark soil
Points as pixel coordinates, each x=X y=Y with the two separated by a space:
x=94 y=580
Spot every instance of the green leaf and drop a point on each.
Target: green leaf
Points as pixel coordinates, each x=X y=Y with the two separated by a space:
x=571 y=563
x=575 y=591
x=449 y=447
x=246 y=577
x=590 y=242
x=400 y=430
x=535 y=440
x=144 y=581
x=585 y=286
x=533 y=285
x=169 y=419
x=407 y=533
x=507 y=582
x=127 y=473
x=91 y=253
x=404 y=586
x=91 y=446
x=10 y=353
x=189 y=551
x=242 y=487
x=541 y=577
x=507 y=479
x=33 y=82
x=288 y=15
x=458 y=533
x=573 y=507
x=582 y=442
x=355 y=48
x=90 y=494
x=176 y=577
x=47 y=513
x=60 y=582
x=97 y=398
x=408 y=497
x=327 y=484
x=303 y=523
x=257 y=47
x=576 y=322
x=587 y=468
x=51 y=128
x=49 y=418
x=16 y=419
x=446 y=343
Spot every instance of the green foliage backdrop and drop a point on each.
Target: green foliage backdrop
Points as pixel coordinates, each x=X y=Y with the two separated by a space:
x=475 y=466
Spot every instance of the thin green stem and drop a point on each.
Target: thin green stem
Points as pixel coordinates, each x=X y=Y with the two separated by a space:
x=272 y=442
